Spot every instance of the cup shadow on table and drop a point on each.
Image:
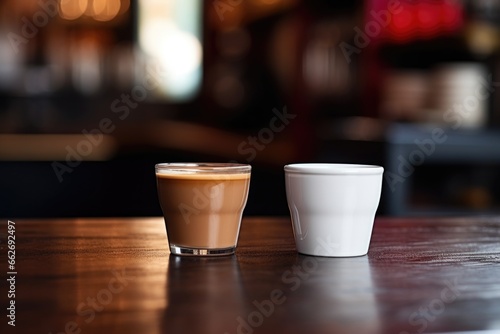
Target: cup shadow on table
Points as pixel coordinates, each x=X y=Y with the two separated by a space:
x=331 y=295
x=245 y=295
x=204 y=294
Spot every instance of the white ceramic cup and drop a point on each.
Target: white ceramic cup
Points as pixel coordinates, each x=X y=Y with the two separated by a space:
x=333 y=207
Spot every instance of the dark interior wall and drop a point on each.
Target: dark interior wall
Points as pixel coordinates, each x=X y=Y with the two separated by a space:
x=114 y=188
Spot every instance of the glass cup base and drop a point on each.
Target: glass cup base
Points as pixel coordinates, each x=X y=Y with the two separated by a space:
x=186 y=251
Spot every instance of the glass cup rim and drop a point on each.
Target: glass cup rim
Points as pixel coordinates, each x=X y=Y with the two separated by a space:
x=202 y=168
x=333 y=169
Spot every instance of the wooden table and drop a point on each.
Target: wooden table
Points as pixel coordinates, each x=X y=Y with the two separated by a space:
x=117 y=276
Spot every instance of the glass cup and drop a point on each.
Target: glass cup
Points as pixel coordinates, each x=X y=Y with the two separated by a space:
x=202 y=204
x=333 y=207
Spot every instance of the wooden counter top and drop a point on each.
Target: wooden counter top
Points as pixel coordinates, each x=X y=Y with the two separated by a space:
x=117 y=276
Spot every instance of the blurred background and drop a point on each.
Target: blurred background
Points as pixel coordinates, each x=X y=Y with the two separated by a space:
x=93 y=93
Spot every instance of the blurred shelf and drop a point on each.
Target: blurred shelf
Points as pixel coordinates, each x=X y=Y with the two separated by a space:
x=408 y=148
x=426 y=53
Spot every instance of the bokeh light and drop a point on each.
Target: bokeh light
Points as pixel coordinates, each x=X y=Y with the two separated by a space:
x=72 y=9
x=99 y=10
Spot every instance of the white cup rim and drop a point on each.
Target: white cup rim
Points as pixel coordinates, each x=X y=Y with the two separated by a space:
x=333 y=169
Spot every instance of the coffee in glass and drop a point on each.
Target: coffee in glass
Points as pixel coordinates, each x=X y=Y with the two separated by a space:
x=203 y=204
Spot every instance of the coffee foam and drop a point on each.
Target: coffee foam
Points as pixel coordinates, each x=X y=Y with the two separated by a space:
x=191 y=175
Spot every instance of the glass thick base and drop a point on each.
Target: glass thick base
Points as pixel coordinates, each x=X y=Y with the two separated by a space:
x=186 y=251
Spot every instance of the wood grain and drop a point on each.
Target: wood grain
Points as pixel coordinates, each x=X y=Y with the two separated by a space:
x=117 y=276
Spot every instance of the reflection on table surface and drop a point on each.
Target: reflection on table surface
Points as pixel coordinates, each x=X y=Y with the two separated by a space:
x=117 y=276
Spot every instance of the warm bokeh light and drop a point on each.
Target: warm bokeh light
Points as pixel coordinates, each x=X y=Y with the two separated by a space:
x=125 y=5
x=72 y=9
x=99 y=10
x=105 y=10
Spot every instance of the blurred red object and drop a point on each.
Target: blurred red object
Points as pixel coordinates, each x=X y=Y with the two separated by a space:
x=425 y=19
